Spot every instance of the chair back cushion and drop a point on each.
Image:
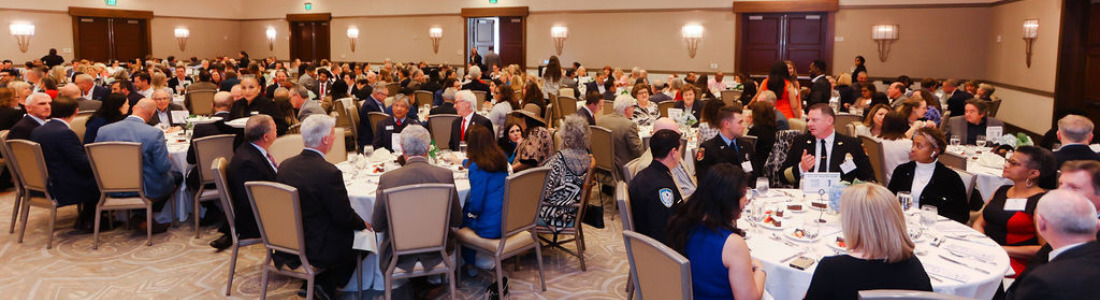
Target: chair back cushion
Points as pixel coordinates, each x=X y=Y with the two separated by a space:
x=424 y=97
x=340 y=109
x=603 y=149
x=30 y=163
x=522 y=195
x=211 y=147
x=656 y=268
x=201 y=102
x=376 y=117
x=339 y=151
x=286 y=146
x=353 y=117
x=419 y=216
x=567 y=105
x=622 y=196
x=278 y=213
x=440 y=127
x=10 y=162
x=79 y=126
x=663 y=107
x=843 y=119
x=877 y=157
x=953 y=161
x=117 y=166
x=797 y=124
x=480 y=95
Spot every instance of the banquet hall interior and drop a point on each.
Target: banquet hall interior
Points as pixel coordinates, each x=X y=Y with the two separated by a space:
x=588 y=149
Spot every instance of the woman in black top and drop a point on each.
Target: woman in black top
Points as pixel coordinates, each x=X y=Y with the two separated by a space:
x=860 y=66
x=748 y=88
x=764 y=127
x=1008 y=217
x=937 y=185
x=9 y=115
x=880 y=253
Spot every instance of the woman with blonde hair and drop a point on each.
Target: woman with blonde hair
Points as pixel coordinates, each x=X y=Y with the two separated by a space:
x=872 y=121
x=880 y=253
x=159 y=80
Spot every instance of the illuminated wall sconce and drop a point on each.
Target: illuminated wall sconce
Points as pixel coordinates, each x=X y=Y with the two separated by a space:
x=271 y=33
x=181 y=37
x=884 y=35
x=353 y=36
x=436 y=34
x=559 y=34
x=22 y=33
x=692 y=34
x=1031 y=32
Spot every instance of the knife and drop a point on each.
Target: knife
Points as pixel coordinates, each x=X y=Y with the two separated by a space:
x=792 y=257
x=962 y=264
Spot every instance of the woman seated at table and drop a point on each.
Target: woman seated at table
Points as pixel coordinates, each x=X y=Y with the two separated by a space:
x=513 y=136
x=565 y=182
x=537 y=143
x=934 y=113
x=113 y=109
x=690 y=104
x=504 y=104
x=532 y=95
x=866 y=92
x=1008 y=216
x=704 y=230
x=895 y=142
x=913 y=109
x=645 y=112
x=929 y=181
x=872 y=122
x=880 y=253
x=764 y=127
x=710 y=124
x=485 y=203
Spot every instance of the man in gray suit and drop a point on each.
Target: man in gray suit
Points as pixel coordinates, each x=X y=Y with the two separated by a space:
x=624 y=132
x=972 y=123
x=415 y=142
x=492 y=58
x=299 y=99
x=165 y=107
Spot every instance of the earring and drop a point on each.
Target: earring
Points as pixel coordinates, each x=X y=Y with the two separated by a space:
x=1028 y=182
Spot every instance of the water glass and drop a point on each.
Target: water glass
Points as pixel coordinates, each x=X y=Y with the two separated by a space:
x=980 y=141
x=762 y=185
x=906 y=200
x=368 y=151
x=462 y=148
x=955 y=141
x=929 y=215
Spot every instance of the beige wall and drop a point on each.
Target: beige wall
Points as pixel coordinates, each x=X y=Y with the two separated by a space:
x=253 y=38
x=406 y=39
x=209 y=38
x=52 y=30
x=275 y=9
x=189 y=8
x=1007 y=58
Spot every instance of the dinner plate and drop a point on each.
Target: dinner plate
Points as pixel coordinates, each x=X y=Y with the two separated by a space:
x=203 y=120
x=769 y=225
x=238 y=123
x=790 y=234
x=832 y=241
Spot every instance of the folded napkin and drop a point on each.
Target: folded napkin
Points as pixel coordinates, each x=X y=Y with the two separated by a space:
x=366 y=240
x=990 y=160
x=382 y=155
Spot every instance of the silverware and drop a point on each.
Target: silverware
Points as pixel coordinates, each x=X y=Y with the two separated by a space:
x=964 y=255
x=930 y=275
x=963 y=264
x=799 y=253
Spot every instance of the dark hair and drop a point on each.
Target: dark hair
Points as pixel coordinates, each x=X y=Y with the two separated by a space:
x=905 y=81
x=824 y=109
x=1042 y=160
x=776 y=78
x=484 y=150
x=935 y=137
x=48 y=83
x=110 y=107
x=715 y=205
x=552 y=69
x=638 y=87
x=62 y=107
x=980 y=104
x=894 y=126
x=144 y=76
x=53 y=51
x=507 y=95
x=820 y=64
x=869 y=87
x=861 y=60
x=532 y=94
x=125 y=85
x=763 y=114
x=663 y=141
x=929 y=98
x=592 y=97
x=928 y=83
x=205 y=76
x=713 y=113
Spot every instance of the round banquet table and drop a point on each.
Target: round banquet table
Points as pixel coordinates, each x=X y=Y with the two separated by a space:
x=986 y=263
x=988 y=177
x=362 y=188
x=178 y=143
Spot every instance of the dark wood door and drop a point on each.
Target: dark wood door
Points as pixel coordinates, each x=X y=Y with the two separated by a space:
x=482 y=35
x=309 y=41
x=97 y=47
x=511 y=41
x=1092 y=63
x=129 y=38
x=767 y=38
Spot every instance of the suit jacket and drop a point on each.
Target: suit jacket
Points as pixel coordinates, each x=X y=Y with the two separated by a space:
x=71 y=179
x=456 y=128
x=270 y=91
x=592 y=86
x=491 y=59
x=956 y=102
x=247 y=164
x=176 y=84
x=171 y=107
x=327 y=218
x=228 y=84
x=1071 y=275
x=241 y=109
x=317 y=89
x=956 y=126
x=659 y=97
x=154 y=163
x=819 y=92
x=383 y=137
x=843 y=146
x=715 y=151
x=1074 y=152
x=9 y=116
x=99 y=92
x=477 y=85
x=416 y=171
x=22 y=129
x=587 y=115
x=340 y=90
x=447 y=108
x=696 y=108
x=366 y=133
x=310 y=107
x=624 y=133
x=133 y=97
x=945 y=190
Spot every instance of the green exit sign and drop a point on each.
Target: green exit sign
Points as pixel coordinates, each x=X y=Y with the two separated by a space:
x=493 y=1
x=309 y=6
x=112 y=2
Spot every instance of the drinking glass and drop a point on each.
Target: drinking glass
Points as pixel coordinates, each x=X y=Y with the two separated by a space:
x=980 y=141
x=762 y=185
x=462 y=147
x=368 y=150
x=955 y=141
x=811 y=229
x=906 y=200
x=929 y=215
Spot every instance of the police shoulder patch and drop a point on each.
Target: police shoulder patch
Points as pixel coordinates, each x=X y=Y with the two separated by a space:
x=666 y=197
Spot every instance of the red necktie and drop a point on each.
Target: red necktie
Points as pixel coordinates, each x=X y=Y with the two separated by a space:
x=272 y=159
x=398 y=122
x=463 y=136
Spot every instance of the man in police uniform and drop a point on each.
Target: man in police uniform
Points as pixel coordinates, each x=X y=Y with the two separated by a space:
x=653 y=193
x=727 y=146
x=822 y=149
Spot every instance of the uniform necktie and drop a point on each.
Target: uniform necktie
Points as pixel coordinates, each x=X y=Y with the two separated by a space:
x=736 y=151
x=823 y=165
x=398 y=122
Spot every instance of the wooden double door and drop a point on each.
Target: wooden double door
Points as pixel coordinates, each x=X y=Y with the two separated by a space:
x=309 y=40
x=766 y=38
x=483 y=33
x=104 y=38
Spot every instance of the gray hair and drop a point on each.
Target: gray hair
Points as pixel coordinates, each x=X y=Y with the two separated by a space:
x=622 y=102
x=1068 y=212
x=18 y=85
x=475 y=72
x=988 y=88
x=1075 y=128
x=449 y=94
x=35 y=97
x=380 y=85
x=675 y=83
x=400 y=98
x=84 y=78
x=257 y=126
x=415 y=140
x=315 y=128
x=468 y=96
x=299 y=90
x=163 y=90
x=574 y=133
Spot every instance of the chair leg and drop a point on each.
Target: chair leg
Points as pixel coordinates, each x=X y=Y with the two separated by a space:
x=95 y=226
x=451 y=275
x=15 y=212
x=359 y=275
x=263 y=277
x=389 y=284
x=538 y=257
x=629 y=286
x=25 y=210
x=195 y=213
x=232 y=267
x=309 y=287
x=500 y=277
x=175 y=208
x=579 y=240
x=53 y=219
x=149 y=225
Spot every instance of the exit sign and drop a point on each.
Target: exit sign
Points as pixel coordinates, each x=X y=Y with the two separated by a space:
x=112 y=2
x=493 y=1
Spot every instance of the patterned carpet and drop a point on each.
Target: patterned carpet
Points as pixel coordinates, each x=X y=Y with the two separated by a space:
x=178 y=266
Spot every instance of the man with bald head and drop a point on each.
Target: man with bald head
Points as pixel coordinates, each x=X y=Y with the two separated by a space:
x=89 y=90
x=38 y=111
x=159 y=181
x=163 y=98
x=1067 y=221
x=222 y=102
x=681 y=174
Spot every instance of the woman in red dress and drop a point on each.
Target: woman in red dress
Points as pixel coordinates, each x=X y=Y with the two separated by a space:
x=1008 y=218
x=779 y=82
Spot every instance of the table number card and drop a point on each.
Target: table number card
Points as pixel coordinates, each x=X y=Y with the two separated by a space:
x=179 y=116
x=813 y=183
x=994 y=133
x=674 y=113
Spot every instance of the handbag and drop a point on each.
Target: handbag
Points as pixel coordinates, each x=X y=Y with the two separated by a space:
x=593 y=216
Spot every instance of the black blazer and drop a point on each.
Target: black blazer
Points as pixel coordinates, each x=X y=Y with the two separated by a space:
x=477 y=85
x=819 y=92
x=385 y=130
x=9 y=116
x=956 y=102
x=1041 y=257
x=608 y=91
x=247 y=164
x=456 y=128
x=945 y=190
x=340 y=90
x=715 y=151
x=1071 y=275
x=1074 y=152
x=22 y=129
x=71 y=180
x=99 y=92
x=696 y=108
x=270 y=91
x=447 y=108
x=366 y=133
x=587 y=116
x=843 y=146
x=328 y=220
x=241 y=109
x=765 y=141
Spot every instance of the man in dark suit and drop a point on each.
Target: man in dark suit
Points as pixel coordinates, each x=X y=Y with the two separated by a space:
x=972 y=123
x=1077 y=176
x=281 y=80
x=375 y=103
x=476 y=84
x=253 y=103
x=448 y=105
x=415 y=142
x=328 y=222
x=181 y=81
x=89 y=90
x=38 y=111
x=165 y=107
x=593 y=103
x=1068 y=222
x=820 y=90
x=342 y=87
x=601 y=85
x=657 y=92
x=465 y=105
x=653 y=192
x=71 y=180
x=250 y=162
x=221 y=105
x=324 y=84
x=728 y=146
x=822 y=149
x=229 y=81
x=1074 y=132
x=956 y=98
x=383 y=137
x=126 y=88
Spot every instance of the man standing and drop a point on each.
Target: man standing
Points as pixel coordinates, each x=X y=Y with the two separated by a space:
x=465 y=105
x=956 y=98
x=727 y=146
x=38 y=111
x=1074 y=132
x=159 y=181
x=71 y=179
x=383 y=137
x=251 y=162
x=624 y=132
x=328 y=222
x=1067 y=221
x=492 y=58
x=165 y=107
x=653 y=193
x=822 y=149
x=820 y=90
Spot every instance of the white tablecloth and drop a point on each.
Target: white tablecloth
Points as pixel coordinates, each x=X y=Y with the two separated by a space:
x=988 y=177
x=361 y=192
x=785 y=282
x=177 y=154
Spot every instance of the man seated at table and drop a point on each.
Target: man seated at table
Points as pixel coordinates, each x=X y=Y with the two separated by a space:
x=727 y=146
x=653 y=193
x=165 y=107
x=250 y=162
x=159 y=180
x=328 y=222
x=1068 y=222
x=38 y=111
x=415 y=142
x=822 y=149
x=71 y=180
x=222 y=102
x=387 y=127
x=448 y=105
x=303 y=106
x=624 y=132
x=593 y=103
x=972 y=123
x=681 y=173
x=375 y=103
x=1074 y=132
x=466 y=105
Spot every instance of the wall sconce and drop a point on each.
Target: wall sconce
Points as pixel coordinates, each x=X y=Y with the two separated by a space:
x=271 y=33
x=559 y=34
x=1031 y=32
x=436 y=34
x=181 y=37
x=22 y=33
x=692 y=35
x=353 y=36
x=884 y=35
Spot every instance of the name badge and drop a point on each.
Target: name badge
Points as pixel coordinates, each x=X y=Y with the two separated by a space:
x=1015 y=204
x=253 y=113
x=847 y=166
x=747 y=166
x=389 y=127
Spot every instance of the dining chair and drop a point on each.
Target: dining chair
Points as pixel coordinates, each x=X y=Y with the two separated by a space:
x=118 y=173
x=622 y=197
x=576 y=229
x=339 y=151
x=279 y=215
x=206 y=150
x=79 y=126
x=655 y=268
x=952 y=160
x=9 y=163
x=31 y=168
x=218 y=168
x=440 y=128
x=906 y=294
x=603 y=152
x=200 y=102
x=664 y=106
x=424 y=97
x=875 y=153
x=419 y=218
x=285 y=147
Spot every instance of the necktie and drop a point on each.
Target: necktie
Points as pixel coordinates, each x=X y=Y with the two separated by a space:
x=823 y=165
x=736 y=152
x=273 y=163
x=463 y=131
x=398 y=122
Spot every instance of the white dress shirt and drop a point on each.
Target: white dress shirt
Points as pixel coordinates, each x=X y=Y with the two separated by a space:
x=817 y=153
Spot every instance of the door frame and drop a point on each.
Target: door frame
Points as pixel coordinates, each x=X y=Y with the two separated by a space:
x=829 y=7
x=513 y=11
x=1072 y=55
x=78 y=12
x=317 y=17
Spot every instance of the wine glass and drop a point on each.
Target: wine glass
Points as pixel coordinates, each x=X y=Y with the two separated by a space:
x=368 y=150
x=762 y=185
x=955 y=141
x=906 y=200
x=980 y=141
